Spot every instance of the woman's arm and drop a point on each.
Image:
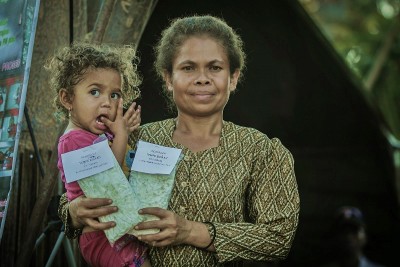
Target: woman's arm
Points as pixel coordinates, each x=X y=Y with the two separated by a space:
x=272 y=205
x=84 y=211
x=63 y=213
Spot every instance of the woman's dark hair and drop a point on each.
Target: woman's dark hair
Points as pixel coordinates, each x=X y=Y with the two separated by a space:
x=181 y=29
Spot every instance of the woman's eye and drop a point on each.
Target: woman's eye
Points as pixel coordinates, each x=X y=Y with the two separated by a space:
x=187 y=68
x=115 y=95
x=215 y=68
x=95 y=92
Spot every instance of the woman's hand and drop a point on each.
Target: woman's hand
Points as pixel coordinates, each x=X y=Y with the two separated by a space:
x=85 y=211
x=174 y=230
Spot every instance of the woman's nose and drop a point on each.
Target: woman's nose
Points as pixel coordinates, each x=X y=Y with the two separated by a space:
x=202 y=78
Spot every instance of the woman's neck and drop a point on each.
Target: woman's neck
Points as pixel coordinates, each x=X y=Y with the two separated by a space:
x=198 y=133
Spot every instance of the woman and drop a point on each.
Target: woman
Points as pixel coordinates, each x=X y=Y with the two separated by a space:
x=235 y=196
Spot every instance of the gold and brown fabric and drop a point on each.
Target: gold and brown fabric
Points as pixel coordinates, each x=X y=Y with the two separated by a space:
x=246 y=187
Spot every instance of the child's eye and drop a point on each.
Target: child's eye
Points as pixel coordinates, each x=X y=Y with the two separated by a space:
x=95 y=92
x=115 y=95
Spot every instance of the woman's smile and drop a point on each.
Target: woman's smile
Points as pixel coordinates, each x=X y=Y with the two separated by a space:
x=202 y=96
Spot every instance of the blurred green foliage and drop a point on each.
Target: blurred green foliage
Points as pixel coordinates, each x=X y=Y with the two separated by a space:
x=366 y=34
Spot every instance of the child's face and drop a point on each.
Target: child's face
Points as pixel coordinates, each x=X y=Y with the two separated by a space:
x=96 y=96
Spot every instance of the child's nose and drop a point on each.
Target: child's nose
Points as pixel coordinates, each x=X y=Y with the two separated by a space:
x=106 y=102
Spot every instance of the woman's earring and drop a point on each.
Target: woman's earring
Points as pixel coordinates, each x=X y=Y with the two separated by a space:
x=69 y=111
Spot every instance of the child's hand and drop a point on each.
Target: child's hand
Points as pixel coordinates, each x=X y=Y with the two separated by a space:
x=122 y=127
x=126 y=123
x=133 y=118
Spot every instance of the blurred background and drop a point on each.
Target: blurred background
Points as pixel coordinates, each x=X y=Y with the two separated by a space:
x=322 y=76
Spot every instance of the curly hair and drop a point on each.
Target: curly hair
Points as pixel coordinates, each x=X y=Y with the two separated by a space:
x=68 y=66
x=181 y=29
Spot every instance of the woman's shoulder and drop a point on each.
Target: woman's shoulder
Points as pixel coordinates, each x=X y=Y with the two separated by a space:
x=249 y=136
x=243 y=134
x=153 y=131
x=233 y=128
x=157 y=129
x=158 y=125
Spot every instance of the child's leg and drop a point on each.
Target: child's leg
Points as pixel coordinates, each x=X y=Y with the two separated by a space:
x=97 y=251
x=146 y=263
x=136 y=254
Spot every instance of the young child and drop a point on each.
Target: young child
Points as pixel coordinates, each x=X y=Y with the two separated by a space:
x=90 y=83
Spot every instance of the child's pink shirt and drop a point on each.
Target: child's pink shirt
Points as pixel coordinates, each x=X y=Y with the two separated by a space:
x=70 y=141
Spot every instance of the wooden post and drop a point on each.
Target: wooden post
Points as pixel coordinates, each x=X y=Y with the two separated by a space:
x=41 y=204
x=128 y=21
x=102 y=20
x=80 y=20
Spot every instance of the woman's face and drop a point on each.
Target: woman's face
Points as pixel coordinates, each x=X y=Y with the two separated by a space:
x=201 y=81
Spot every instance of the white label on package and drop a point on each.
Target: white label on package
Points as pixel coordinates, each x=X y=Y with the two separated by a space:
x=87 y=161
x=155 y=159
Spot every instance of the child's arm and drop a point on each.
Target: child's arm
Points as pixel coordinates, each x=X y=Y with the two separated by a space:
x=121 y=127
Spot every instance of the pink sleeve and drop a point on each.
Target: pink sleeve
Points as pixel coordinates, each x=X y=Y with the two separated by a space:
x=70 y=142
